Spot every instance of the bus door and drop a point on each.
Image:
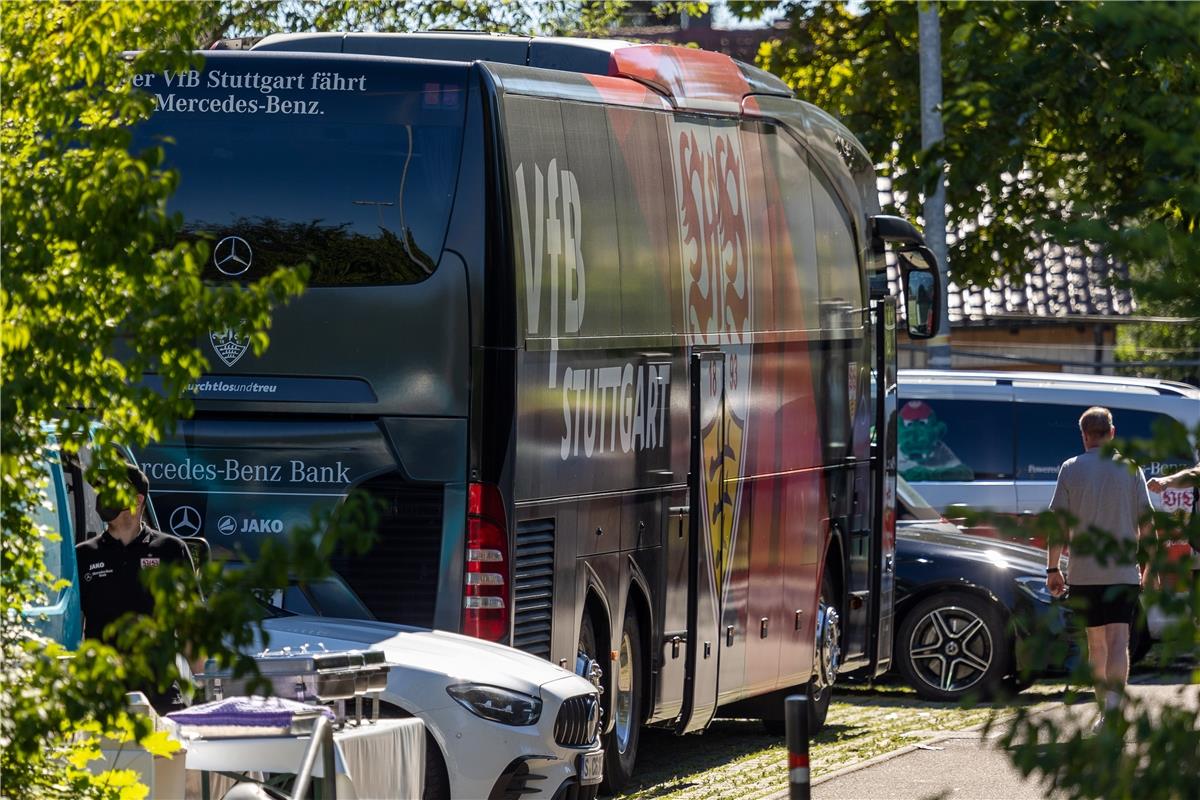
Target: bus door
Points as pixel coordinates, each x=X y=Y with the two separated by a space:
x=706 y=493
x=883 y=472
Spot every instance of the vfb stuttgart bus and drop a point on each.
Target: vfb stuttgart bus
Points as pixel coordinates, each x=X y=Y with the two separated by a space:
x=601 y=326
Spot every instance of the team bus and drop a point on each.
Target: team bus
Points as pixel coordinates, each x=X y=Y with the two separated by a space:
x=598 y=323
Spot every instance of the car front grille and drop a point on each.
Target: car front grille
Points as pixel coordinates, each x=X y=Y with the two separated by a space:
x=578 y=722
x=533 y=587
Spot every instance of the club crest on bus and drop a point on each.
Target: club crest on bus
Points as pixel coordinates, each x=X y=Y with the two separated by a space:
x=229 y=344
x=714 y=239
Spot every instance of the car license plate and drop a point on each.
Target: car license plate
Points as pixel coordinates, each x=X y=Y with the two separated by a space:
x=590 y=768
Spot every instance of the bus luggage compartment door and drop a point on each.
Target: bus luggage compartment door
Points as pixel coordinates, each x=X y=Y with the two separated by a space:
x=706 y=496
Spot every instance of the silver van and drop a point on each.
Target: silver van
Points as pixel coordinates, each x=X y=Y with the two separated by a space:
x=995 y=440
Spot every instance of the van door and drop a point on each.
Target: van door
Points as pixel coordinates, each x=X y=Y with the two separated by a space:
x=61 y=619
x=955 y=443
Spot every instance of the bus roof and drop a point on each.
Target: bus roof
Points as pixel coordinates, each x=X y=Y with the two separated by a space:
x=696 y=80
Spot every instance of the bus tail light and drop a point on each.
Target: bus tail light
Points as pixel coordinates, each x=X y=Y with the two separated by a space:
x=485 y=579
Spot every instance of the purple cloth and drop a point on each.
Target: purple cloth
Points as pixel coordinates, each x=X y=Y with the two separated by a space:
x=251 y=712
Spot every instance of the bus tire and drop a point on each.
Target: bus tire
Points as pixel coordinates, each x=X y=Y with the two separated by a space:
x=827 y=654
x=621 y=743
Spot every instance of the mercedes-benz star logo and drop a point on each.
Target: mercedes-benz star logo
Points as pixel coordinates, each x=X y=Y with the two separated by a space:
x=233 y=256
x=185 y=521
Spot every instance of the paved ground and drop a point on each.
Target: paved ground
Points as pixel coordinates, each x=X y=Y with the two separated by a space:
x=972 y=765
x=738 y=760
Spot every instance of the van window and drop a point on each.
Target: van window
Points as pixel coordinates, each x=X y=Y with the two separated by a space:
x=1048 y=434
x=955 y=440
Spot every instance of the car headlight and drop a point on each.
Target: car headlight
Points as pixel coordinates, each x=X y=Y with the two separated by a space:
x=1036 y=587
x=499 y=705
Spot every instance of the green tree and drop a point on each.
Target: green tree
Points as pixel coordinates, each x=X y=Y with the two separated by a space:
x=541 y=17
x=1074 y=121
x=97 y=293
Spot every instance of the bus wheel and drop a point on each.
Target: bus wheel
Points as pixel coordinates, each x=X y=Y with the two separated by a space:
x=621 y=743
x=827 y=655
x=627 y=725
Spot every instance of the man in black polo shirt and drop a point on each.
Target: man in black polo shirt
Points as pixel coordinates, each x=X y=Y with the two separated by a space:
x=110 y=572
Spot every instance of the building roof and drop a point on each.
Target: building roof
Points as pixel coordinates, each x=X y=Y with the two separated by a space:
x=1062 y=283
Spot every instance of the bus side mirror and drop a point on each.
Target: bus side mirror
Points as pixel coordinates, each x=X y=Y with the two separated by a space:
x=922 y=291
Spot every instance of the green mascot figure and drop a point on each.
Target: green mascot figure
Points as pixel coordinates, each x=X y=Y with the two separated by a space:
x=923 y=454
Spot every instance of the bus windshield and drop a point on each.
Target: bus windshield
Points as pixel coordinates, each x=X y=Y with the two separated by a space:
x=349 y=166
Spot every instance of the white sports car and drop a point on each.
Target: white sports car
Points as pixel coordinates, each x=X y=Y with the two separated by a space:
x=501 y=723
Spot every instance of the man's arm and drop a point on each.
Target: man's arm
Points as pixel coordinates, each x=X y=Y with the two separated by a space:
x=1146 y=528
x=1055 y=583
x=1182 y=479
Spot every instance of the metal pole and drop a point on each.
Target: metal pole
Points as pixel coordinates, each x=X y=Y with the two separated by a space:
x=930 y=37
x=795 y=720
x=321 y=742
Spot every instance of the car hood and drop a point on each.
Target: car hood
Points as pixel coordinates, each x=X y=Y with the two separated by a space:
x=459 y=659
x=918 y=540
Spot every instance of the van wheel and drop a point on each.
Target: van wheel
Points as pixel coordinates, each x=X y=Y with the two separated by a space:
x=621 y=743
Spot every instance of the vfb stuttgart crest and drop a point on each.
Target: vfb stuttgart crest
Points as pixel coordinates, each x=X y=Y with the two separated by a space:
x=230 y=344
x=718 y=272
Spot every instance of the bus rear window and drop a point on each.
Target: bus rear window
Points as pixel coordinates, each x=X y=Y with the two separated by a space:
x=346 y=165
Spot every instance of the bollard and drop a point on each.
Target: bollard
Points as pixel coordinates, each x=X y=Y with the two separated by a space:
x=795 y=717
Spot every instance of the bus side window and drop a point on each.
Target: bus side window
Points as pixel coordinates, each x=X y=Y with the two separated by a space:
x=645 y=221
x=793 y=239
x=590 y=277
x=837 y=257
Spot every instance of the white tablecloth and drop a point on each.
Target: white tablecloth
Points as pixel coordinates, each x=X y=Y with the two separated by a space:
x=384 y=761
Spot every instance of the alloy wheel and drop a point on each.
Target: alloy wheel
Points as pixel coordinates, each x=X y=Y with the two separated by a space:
x=951 y=648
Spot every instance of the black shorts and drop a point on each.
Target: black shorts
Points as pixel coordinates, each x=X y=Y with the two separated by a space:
x=1106 y=604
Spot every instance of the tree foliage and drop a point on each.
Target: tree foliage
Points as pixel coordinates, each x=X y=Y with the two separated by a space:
x=540 y=17
x=97 y=293
x=1074 y=121
x=100 y=288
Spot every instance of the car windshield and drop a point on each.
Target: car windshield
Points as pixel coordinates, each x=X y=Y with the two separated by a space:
x=910 y=504
x=329 y=597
